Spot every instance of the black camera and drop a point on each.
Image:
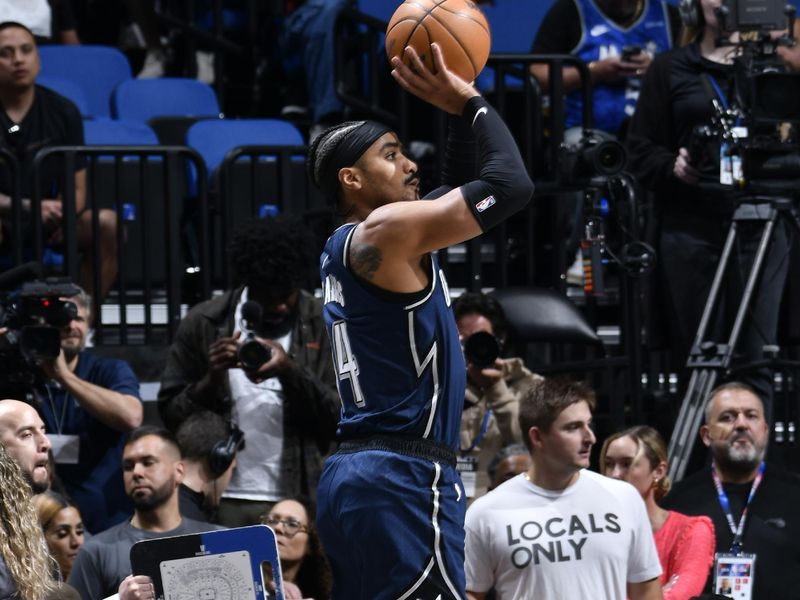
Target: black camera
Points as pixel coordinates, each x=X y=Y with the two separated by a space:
x=589 y=154
x=252 y=353
x=481 y=349
x=34 y=316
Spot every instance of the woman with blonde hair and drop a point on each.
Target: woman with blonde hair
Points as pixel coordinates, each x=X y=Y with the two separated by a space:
x=62 y=526
x=25 y=565
x=685 y=544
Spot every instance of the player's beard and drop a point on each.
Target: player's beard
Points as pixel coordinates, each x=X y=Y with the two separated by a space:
x=158 y=497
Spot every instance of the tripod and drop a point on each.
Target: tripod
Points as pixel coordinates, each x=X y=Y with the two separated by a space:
x=708 y=359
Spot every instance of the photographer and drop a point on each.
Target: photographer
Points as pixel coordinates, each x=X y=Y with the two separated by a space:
x=288 y=406
x=491 y=403
x=692 y=208
x=89 y=403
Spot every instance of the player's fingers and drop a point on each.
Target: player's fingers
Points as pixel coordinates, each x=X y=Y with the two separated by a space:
x=422 y=72
x=438 y=58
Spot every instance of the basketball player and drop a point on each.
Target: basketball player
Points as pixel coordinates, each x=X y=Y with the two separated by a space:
x=391 y=504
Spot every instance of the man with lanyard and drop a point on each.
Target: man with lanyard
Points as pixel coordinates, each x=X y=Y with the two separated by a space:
x=753 y=505
x=490 y=419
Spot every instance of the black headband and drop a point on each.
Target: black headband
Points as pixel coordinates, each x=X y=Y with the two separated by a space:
x=341 y=147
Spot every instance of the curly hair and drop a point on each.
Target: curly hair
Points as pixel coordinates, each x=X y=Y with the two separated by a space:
x=272 y=252
x=22 y=544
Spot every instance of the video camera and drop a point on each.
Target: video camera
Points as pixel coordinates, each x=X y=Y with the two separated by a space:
x=34 y=315
x=760 y=128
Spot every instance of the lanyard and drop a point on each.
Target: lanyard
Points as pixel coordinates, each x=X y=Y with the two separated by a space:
x=481 y=433
x=723 y=99
x=726 y=505
x=59 y=423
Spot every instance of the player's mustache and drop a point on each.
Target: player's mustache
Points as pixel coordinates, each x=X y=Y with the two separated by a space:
x=412 y=178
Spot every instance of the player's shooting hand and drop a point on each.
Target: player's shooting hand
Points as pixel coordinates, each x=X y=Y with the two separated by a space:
x=683 y=169
x=137 y=587
x=278 y=362
x=486 y=377
x=440 y=87
x=223 y=354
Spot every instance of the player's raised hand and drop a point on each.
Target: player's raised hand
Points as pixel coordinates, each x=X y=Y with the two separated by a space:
x=443 y=89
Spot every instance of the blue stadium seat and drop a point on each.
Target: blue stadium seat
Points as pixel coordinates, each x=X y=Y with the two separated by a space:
x=96 y=69
x=214 y=139
x=105 y=132
x=143 y=99
x=69 y=89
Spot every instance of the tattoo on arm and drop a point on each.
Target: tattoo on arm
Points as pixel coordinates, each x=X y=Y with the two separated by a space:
x=365 y=260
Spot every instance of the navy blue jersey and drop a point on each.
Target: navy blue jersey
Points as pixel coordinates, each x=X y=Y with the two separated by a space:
x=398 y=358
x=603 y=38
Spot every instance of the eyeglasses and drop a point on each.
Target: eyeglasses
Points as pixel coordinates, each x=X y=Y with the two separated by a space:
x=291 y=527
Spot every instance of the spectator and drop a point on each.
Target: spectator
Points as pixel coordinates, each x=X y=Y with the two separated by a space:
x=694 y=210
x=685 y=544
x=51 y=21
x=559 y=530
x=63 y=528
x=22 y=434
x=598 y=33
x=153 y=471
x=491 y=403
x=736 y=432
x=512 y=460
x=89 y=403
x=208 y=448
x=287 y=408
x=31 y=118
x=306 y=46
x=303 y=560
x=25 y=566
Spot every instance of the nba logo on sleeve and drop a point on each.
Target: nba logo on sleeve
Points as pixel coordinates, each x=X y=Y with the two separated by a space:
x=485 y=203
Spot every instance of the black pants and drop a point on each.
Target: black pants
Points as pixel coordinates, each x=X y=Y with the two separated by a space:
x=689 y=253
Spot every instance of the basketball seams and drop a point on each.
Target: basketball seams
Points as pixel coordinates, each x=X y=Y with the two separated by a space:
x=448 y=25
x=455 y=39
x=449 y=30
x=482 y=25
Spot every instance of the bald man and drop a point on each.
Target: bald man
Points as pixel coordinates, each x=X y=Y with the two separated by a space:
x=22 y=433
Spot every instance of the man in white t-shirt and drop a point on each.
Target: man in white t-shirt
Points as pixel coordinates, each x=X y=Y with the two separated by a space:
x=559 y=530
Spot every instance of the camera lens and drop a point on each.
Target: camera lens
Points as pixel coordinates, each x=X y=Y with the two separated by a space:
x=253 y=354
x=481 y=349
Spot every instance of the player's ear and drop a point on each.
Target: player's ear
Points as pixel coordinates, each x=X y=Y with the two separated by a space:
x=180 y=471
x=350 y=178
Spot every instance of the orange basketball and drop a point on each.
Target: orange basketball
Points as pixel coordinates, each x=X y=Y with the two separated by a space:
x=458 y=26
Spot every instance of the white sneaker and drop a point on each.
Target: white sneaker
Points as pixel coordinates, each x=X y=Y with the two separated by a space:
x=205 y=67
x=154 y=63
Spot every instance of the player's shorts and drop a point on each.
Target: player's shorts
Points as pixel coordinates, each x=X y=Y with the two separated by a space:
x=391 y=517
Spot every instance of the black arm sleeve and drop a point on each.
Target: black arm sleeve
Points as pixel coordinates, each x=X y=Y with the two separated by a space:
x=504 y=186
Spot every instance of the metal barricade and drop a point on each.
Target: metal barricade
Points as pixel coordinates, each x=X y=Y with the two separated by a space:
x=170 y=187
x=9 y=162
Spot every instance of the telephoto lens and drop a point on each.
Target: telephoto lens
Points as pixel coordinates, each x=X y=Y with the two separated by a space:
x=252 y=353
x=482 y=349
